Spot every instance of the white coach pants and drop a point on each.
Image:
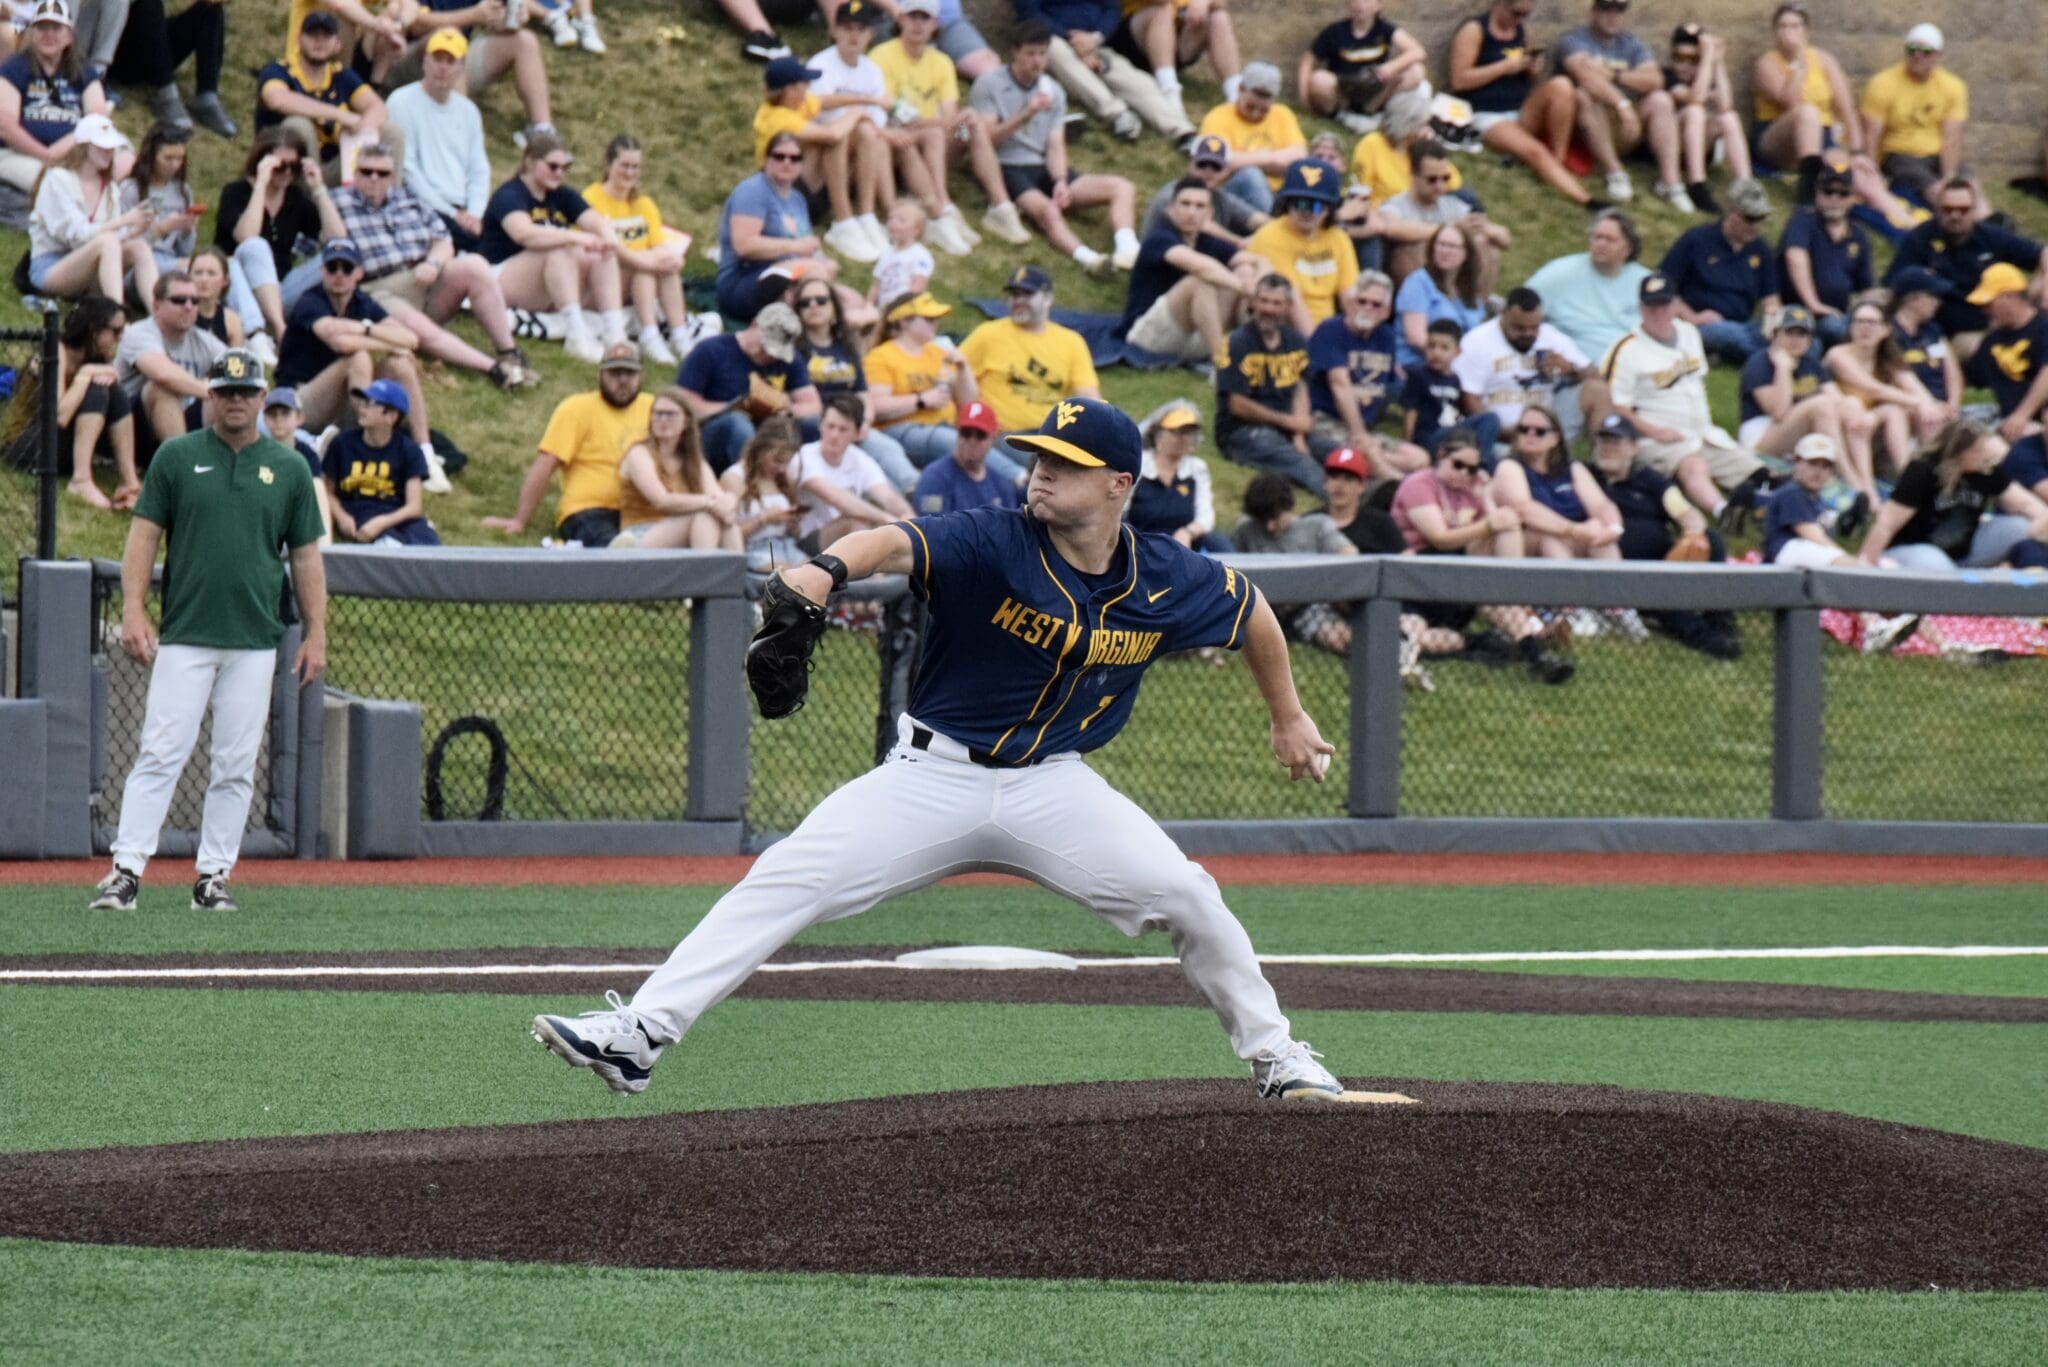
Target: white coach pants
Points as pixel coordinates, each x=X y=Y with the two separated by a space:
x=928 y=813
x=183 y=682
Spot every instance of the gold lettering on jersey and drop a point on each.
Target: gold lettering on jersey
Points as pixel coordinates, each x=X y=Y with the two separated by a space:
x=1678 y=370
x=1229 y=582
x=1028 y=624
x=1121 y=647
x=1274 y=369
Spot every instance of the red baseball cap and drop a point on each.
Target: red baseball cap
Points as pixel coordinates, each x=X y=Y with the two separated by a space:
x=1348 y=461
x=978 y=417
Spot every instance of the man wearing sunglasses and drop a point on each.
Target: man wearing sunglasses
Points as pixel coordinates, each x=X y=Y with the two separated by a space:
x=1913 y=114
x=1825 y=255
x=1959 y=248
x=337 y=339
x=1410 y=219
x=163 y=361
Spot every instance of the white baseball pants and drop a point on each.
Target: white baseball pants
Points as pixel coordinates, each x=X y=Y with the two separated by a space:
x=928 y=813
x=184 y=681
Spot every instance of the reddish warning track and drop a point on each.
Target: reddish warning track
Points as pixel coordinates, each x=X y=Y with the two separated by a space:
x=1681 y=870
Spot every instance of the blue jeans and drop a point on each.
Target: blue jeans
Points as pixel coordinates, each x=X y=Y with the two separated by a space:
x=1249 y=184
x=252 y=267
x=1732 y=342
x=887 y=452
x=2001 y=539
x=1270 y=451
x=931 y=442
x=724 y=437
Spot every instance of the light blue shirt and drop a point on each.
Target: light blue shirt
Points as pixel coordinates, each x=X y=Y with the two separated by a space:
x=1592 y=309
x=1419 y=294
x=445 y=161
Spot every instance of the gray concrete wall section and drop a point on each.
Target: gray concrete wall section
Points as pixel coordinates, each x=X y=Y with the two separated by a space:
x=715 y=777
x=383 y=783
x=471 y=574
x=56 y=666
x=25 y=741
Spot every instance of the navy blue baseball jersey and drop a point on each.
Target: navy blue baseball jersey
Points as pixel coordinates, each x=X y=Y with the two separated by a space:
x=1025 y=656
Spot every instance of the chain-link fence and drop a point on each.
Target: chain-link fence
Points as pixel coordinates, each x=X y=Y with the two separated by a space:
x=28 y=469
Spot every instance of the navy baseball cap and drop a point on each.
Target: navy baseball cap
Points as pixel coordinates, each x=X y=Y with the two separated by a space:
x=390 y=393
x=341 y=249
x=784 y=72
x=1088 y=432
x=1311 y=180
x=1027 y=280
x=1920 y=280
x=1617 y=427
x=1657 y=289
x=282 y=397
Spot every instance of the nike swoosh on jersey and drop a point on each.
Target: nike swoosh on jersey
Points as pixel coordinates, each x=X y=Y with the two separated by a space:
x=202 y=469
x=1155 y=597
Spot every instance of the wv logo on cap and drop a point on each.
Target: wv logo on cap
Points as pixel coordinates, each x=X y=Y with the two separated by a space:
x=1066 y=415
x=1311 y=176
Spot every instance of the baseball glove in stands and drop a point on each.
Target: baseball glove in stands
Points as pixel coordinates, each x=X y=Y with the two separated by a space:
x=779 y=660
x=1690 y=546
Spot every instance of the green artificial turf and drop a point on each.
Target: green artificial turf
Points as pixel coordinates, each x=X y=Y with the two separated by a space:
x=109 y=1305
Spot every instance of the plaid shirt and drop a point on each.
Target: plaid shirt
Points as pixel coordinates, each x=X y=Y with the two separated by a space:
x=395 y=237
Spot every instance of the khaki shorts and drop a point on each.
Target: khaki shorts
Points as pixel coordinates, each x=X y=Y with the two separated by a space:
x=1157 y=332
x=1727 y=464
x=399 y=287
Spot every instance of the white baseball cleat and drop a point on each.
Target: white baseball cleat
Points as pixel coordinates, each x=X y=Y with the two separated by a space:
x=613 y=1044
x=1292 y=1071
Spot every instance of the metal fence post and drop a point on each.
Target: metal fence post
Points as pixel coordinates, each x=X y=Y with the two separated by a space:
x=1375 y=665
x=897 y=651
x=1796 y=715
x=720 y=712
x=47 y=471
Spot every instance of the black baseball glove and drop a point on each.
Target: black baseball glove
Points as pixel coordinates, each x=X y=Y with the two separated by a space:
x=779 y=660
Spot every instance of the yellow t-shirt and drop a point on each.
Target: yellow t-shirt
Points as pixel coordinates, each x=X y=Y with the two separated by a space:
x=1819 y=93
x=1278 y=129
x=772 y=119
x=636 y=222
x=1321 y=267
x=904 y=373
x=1023 y=374
x=589 y=437
x=1914 y=111
x=926 y=82
x=1378 y=163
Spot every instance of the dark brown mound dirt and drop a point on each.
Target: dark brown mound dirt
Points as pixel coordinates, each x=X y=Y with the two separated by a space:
x=1535 y=1185
x=1302 y=987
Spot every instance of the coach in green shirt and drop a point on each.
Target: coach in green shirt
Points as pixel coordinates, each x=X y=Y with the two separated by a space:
x=232 y=501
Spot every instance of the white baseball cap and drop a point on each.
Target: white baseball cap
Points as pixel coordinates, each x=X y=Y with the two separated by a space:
x=1814 y=446
x=97 y=130
x=1924 y=35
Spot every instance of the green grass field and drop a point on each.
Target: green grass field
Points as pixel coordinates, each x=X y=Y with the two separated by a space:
x=162 y=1065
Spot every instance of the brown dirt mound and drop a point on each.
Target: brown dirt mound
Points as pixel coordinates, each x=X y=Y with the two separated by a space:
x=1534 y=1185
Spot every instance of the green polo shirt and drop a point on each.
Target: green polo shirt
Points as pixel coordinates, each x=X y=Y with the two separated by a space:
x=226 y=516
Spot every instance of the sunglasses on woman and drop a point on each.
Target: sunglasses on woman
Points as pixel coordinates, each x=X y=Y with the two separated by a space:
x=1536 y=430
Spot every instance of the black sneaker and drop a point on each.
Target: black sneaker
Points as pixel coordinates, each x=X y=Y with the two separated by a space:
x=1853 y=518
x=210 y=893
x=1545 y=665
x=1487 y=647
x=763 y=45
x=116 y=892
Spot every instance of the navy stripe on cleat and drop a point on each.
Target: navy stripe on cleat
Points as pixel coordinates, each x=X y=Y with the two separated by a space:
x=613 y=1044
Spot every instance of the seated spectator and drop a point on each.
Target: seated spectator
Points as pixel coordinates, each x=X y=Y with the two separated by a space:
x=1426 y=206
x=286 y=424
x=1230 y=218
x=1362 y=68
x=445 y=164
x=1697 y=81
x=1803 y=107
x=159 y=180
x=962 y=479
x=1957 y=247
x=94 y=416
x=494 y=46
x=586 y=440
x=1444 y=287
x=1025 y=363
x=765 y=222
x=850 y=89
x=369 y=40
x=1449 y=509
x=1657 y=379
x=760 y=42
x=1783 y=396
x=153 y=45
x=1825 y=256
x=209 y=272
x=831 y=356
x=651 y=254
x=917 y=385
x=1913 y=115
x=1657 y=523
x=1348 y=478
x=923 y=87
x=1263 y=135
x=1107 y=84
x=550 y=251
x=1384 y=162
x=1871 y=373
x=339 y=339
x=839 y=489
x=767 y=509
x=1622 y=103
x=668 y=497
x=907 y=267
x=261 y=219
x=1520 y=358
x=1565 y=514
x=316 y=93
x=1795 y=519
x=163 y=362
x=1025 y=111
x=844 y=158
x=736 y=379
x=2012 y=363
x=1959 y=505
x=1302 y=244
x=1591 y=296
x=1365 y=225
x=1174 y=495
x=375 y=474
x=1495 y=67
x=1916 y=296
x=80 y=242
x=45 y=89
x=962 y=42
x=1723 y=274
x=1263 y=419
x=410 y=266
x=1433 y=398
x=1352 y=377
x=1270 y=526
x=1168 y=36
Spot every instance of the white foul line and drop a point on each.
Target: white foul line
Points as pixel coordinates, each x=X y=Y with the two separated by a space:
x=31 y=975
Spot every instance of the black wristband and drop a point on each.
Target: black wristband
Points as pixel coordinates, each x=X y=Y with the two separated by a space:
x=833 y=566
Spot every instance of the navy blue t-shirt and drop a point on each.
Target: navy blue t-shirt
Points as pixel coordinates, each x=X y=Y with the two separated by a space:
x=1925 y=350
x=833 y=369
x=1265 y=375
x=50 y=105
x=2008 y=359
x=1961 y=261
x=1157 y=506
x=1433 y=397
x=1840 y=269
x=1154 y=275
x=1790 y=507
x=1757 y=371
x=946 y=488
x=341 y=87
x=1711 y=274
x=302 y=355
x=1369 y=359
x=1340 y=50
x=718 y=369
x=369 y=481
x=559 y=209
x=1025 y=656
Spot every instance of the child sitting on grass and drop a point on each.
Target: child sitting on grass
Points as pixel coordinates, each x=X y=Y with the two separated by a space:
x=1430 y=397
x=906 y=268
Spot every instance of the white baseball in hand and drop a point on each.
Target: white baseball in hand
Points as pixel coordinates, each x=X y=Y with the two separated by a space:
x=1321 y=763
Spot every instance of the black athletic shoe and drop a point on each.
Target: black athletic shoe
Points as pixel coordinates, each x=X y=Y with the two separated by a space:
x=116 y=892
x=210 y=893
x=1544 y=664
x=763 y=46
x=1702 y=195
x=1853 y=518
x=1487 y=647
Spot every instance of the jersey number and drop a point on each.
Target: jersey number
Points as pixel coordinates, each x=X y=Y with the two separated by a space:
x=1100 y=708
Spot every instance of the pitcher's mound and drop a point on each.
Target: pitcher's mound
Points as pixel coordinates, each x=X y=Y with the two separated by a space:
x=1507 y=1184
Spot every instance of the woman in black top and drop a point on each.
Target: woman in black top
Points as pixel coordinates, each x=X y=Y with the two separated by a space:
x=1494 y=69
x=209 y=272
x=272 y=223
x=1956 y=506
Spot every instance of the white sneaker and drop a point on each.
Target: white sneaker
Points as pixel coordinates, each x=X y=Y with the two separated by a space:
x=697 y=327
x=327 y=434
x=1585 y=623
x=586 y=35
x=1292 y=1071
x=945 y=234
x=581 y=346
x=1005 y=222
x=1619 y=188
x=846 y=238
x=877 y=235
x=1880 y=634
x=613 y=1044
x=1626 y=623
x=561 y=26
x=264 y=349
x=655 y=347
x=436 y=481
x=1359 y=123
x=1124 y=257
x=961 y=225
x=1126 y=127
x=1675 y=195
x=1091 y=261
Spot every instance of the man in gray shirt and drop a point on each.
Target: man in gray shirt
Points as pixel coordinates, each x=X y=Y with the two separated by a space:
x=1026 y=113
x=163 y=361
x=1622 y=101
x=1231 y=218
x=1272 y=527
x=1410 y=220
